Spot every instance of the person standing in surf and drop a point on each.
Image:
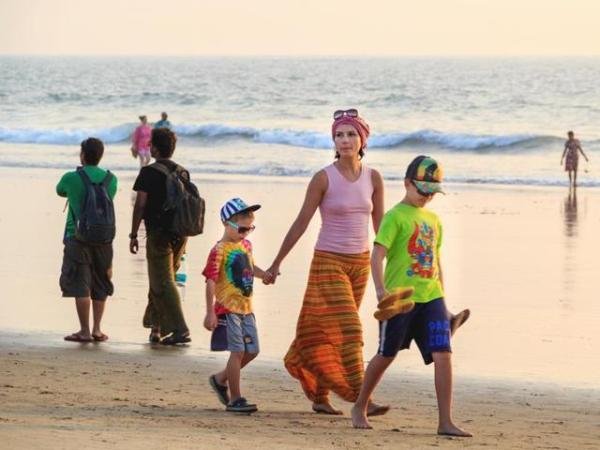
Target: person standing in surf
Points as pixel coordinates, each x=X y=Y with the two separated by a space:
x=163 y=122
x=571 y=157
x=140 y=142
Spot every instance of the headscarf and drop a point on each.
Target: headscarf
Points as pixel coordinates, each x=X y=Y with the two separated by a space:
x=359 y=125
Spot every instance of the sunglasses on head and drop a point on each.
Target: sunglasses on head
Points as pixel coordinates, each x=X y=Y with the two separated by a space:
x=420 y=192
x=348 y=113
x=239 y=229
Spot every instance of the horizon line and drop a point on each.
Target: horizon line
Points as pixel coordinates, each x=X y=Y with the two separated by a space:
x=307 y=55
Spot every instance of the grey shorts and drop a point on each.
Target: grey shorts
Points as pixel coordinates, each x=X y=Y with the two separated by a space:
x=241 y=333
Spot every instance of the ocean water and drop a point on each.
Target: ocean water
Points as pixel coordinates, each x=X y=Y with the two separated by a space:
x=493 y=121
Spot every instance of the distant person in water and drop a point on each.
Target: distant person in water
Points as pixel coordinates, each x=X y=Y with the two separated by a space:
x=163 y=122
x=571 y=157
x=140 y=142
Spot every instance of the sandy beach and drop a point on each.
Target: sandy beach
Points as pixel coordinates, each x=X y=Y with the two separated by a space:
x=522 y=259
x=98 y=396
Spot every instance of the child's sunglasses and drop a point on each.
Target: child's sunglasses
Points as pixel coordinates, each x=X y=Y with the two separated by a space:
x=420 y=192
x=241 y=230
x=348 y=113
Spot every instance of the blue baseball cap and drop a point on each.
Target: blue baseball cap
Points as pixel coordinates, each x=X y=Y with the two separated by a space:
x=235 y=206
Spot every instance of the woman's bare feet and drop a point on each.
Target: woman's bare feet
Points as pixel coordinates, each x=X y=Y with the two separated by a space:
x=359 y=419
x=453 y=430
x=377 y=410
x=326 y=408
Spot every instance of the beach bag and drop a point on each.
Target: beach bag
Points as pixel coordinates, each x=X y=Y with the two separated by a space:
x=183 y=202
x=96 y=221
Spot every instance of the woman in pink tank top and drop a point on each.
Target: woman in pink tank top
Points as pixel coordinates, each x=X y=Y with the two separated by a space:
x=140 y=142
x=326 y=354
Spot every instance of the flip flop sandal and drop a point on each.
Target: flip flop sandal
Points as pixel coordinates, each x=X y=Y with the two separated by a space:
x=394 y=303
x=458 y=320
x=400 y=307
x=400 y=293
x=77 y=338
x=100 y=338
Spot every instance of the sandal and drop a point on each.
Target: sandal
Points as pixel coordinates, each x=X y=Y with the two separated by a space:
x=176 y=338
x=75 y=337
x=220 y=390
x=457 y=320
x=241 y=405
x=100 y=337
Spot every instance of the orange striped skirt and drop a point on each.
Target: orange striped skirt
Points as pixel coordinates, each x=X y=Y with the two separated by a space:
x=326 y=354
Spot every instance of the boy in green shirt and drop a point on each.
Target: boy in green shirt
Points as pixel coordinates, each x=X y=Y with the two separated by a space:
x=86 y=269
x=410 y=238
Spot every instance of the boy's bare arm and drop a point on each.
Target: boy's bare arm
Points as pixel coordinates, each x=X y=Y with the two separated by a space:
x=377 y=257
x=259 y=273
x=210 y=320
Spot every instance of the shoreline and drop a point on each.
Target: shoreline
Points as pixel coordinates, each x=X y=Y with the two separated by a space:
x=53 y=341
x=91 y=396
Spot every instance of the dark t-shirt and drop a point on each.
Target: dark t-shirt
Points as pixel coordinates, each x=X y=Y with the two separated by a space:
x=153 y=182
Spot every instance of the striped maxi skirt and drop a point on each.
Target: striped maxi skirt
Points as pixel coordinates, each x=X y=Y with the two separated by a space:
x=326 y=354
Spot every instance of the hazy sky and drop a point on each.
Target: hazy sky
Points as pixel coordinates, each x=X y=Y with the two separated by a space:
x=300 y=27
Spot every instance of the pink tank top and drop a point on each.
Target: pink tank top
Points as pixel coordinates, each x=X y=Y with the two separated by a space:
x=345 y=211
x=141 y=138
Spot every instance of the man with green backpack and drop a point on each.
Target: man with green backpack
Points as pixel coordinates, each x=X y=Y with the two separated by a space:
x=90 y=229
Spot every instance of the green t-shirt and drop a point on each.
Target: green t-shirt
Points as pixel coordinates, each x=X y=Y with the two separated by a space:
x=412 y=237
x=71 y=186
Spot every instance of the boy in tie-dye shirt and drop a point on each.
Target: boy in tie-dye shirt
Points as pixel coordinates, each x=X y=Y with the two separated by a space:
x=230 y=273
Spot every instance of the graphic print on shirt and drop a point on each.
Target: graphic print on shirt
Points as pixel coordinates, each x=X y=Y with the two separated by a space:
x=239 y=271
x=421 y=249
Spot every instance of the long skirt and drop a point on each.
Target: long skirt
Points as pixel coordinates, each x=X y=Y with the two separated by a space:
x=326 y=354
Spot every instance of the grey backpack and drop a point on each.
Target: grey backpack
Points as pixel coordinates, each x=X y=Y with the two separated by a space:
x=96 y=221
x=183 y=202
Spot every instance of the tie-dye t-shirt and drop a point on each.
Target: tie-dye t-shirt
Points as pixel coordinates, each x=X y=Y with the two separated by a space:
x=412 y=237
x=231 y=267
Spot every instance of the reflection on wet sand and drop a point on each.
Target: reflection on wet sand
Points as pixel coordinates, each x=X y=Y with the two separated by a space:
x=570 y=213
x=570 y=217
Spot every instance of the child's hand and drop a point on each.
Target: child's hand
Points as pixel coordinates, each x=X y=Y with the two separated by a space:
x=270 y=275
x=210 y=321
x=380 y=294
x=268 y=278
